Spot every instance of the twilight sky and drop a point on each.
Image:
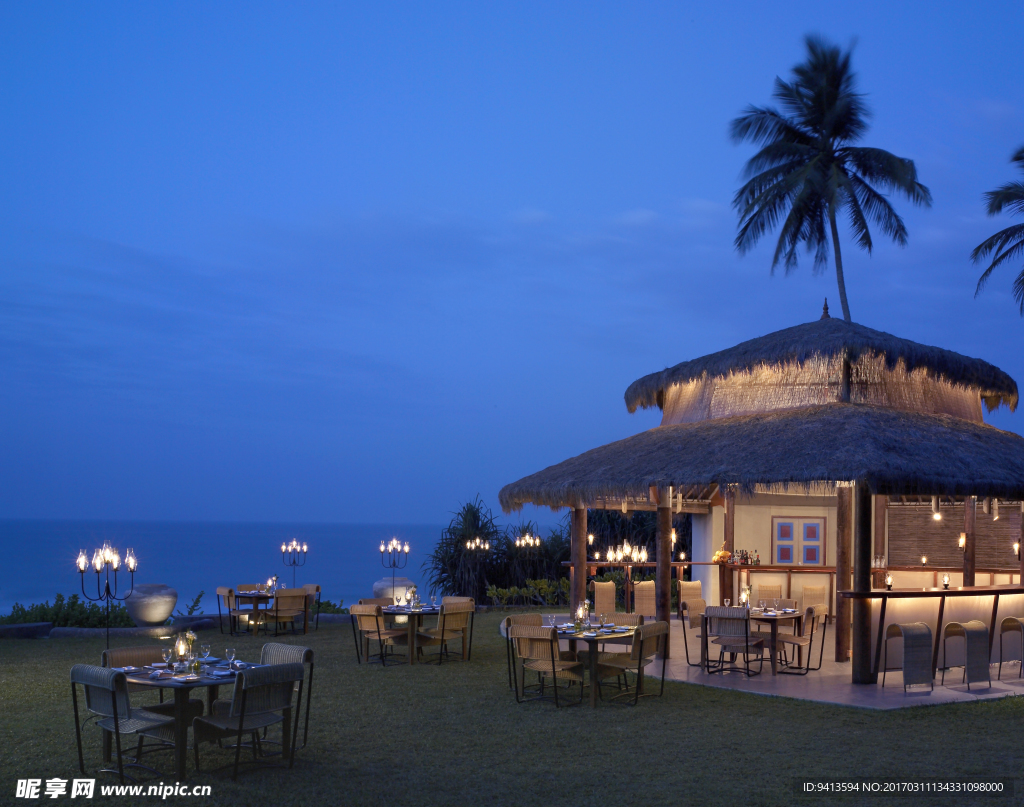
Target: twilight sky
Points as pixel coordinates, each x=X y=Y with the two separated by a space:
x=340 y=262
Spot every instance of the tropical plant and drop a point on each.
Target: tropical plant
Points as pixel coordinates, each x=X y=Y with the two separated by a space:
x=194 y=606
x=1008 y=243
x=69 y=612
x=454 y=570
x=808 y=171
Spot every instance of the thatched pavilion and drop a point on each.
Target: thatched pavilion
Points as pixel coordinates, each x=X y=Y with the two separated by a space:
x=827 y=423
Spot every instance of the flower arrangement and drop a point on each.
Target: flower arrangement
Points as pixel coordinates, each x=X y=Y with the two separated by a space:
x=721 y=556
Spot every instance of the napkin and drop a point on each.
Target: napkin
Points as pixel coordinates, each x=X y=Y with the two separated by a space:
x=128 y=669
x=161 y=674
x=221 y=673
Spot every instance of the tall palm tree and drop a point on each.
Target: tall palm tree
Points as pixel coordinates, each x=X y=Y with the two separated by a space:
x=808 y=170
x=1008 y=243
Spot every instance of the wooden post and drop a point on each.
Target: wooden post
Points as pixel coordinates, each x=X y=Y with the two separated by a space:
x=881 y=506
x=970 y=545
x=578 y=553
x=663 y=571
x=725 y=579
x=1020 y=551
x=863 y=670
x=844 y=568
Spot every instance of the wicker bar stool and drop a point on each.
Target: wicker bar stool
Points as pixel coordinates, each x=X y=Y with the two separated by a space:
x=1011 y=624
x=976 y=652
x=917 y=653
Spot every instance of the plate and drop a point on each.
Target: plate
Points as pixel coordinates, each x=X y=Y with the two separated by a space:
x=189 y=677
x=158 y=665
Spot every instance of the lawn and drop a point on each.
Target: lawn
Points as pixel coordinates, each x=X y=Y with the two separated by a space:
x=429 y=735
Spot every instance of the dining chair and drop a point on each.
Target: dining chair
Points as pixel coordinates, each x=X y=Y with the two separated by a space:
x=688 y=590
x=313 y=590
x=729 y=628
x=693 y=610
x=643 y=598
x=232 y=609
x=648 y=641
x=454 y=621
x=536 y=648
x=262 y=697
x=289 y=605
x=814 y=595
x=106 y=698
x=604 y=598
x=768 y=594
x=533 y=620
x=367 y=624
x=814 y=617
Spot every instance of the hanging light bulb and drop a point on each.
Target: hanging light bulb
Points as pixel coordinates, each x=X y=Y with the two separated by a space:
x=962 y=542
x=936 y=513
x=590 y=538
x=995 y=509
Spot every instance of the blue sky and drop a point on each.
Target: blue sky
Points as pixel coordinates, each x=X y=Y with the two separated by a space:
x=331 y=262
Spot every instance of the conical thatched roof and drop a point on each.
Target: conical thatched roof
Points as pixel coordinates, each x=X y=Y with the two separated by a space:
x=830 y=338
x=894 y=451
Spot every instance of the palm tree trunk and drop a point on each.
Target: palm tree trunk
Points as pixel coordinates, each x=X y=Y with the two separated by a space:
x=839 y=264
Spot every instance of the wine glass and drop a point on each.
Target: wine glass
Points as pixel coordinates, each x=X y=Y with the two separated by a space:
x=775 y=601
x=229 y=652
x=726 y=602
x=601 y=618
x=433 y=601
x=760 y=604
x=165 y=653
x=205 y=650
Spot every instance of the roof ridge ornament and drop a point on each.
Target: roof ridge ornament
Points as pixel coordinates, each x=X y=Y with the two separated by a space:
x=824 y=310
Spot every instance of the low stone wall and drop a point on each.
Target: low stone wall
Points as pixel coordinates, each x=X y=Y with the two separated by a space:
x=26 y=630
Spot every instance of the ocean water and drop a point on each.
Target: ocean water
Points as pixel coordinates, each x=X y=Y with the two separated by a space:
x=39 y=556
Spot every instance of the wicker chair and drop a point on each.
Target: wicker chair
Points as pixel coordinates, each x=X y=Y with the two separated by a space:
x=313 y=591
x=976 y=651
x=232 y=609
x=454 y=621
x=367 y=624
x=289 y=605
x=604 y=597
x=814 y=616
x=917 y=653
x=532 y=620
x=456 y=600
x=261 y=697
x=729 y=628
x=643 y=598
x=1011 y=624
x=648 y=641
x=688 y=590
x=693 y=609
x=768 y=593
x=814 y=595
x=106 y=697
x=537 y=650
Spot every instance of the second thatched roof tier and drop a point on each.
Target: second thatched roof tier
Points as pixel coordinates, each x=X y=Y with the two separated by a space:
x=895 y=452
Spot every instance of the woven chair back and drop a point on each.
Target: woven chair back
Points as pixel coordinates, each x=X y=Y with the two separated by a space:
x=367 y=617
x=290 y=599
x=131 y=656
x=106 y=690
x=229 y=596
x=277 y=653
x=627 y=620
x=647 y=640
x=694 y=609
x=534 y=643
x=813 y=595
x=311 y=588
x=267 y=689
x=768 y=593
x=377 y=601
x=454 y=600
x=731 y=621
x=690 y=590
x=455 y=616
x=604 y=597
x=643 y=598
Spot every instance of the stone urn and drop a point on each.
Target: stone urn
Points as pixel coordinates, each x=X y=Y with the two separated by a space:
x=383 y=588
x=151 y=604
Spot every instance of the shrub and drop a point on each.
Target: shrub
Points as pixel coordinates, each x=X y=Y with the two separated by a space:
x=70 y=613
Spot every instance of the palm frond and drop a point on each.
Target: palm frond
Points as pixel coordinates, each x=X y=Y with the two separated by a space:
x=1005 y=245
x=888 y=170
x=765 y=125
x=880 y=210
x=1009 y=196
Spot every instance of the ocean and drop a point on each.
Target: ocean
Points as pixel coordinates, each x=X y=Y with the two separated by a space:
x=192 y=557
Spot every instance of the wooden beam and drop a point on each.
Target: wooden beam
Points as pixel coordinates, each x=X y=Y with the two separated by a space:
x=971 y=545
x=881 y=505
x=844 y=569
x=578 y=553
x=863 y=671
x=663 y=571
x=725 y=587
x=1020 y=552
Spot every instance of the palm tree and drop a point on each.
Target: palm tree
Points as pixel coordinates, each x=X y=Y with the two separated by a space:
x=1008 y=243
x=807 y=170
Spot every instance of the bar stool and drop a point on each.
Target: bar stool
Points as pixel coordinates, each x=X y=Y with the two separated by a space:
x=917 y=653
x=976 y=651
x=1011 y=624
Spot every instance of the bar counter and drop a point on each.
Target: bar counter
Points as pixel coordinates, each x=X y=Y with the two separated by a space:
x=937 y=607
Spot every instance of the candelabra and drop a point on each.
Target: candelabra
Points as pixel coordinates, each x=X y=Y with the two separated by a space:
x=394 y=556
x=294 y=555
x=106 y=559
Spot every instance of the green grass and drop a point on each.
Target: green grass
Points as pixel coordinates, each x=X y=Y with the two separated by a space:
x=429 y=735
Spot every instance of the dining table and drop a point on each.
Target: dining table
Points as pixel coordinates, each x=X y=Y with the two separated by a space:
x=773 y=618
x=212 y=678
x=617 y=634
x=257 y=599
x=415 y=620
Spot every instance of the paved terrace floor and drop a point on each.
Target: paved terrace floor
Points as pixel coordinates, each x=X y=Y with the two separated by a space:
x=831 y=684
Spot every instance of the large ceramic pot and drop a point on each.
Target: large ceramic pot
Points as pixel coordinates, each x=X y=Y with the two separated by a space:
x=383 y=588
x=151 y=604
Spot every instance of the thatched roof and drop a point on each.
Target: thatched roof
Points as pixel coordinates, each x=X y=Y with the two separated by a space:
x=831 y=338
x=894 y=451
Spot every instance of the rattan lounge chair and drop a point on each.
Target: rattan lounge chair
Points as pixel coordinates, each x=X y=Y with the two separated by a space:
x=729 y=628
x=367 y=625
x=313 y=590
x=262 y=697
x=648 y=641
x=643 y=598
x=814 y=618
x=106 y=697
x=537 y=649
x=1011 y=624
